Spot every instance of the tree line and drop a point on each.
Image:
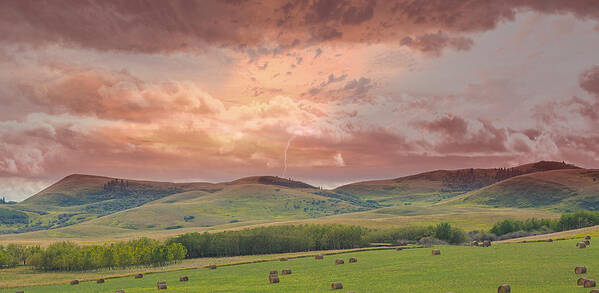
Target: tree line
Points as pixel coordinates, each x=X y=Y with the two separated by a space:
x=68 y=256
x=564 y=222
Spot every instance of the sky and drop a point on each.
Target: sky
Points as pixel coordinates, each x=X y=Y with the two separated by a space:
x=323 y=91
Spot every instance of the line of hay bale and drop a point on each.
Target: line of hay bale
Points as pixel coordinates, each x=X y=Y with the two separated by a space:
x=339 y=262
x=436 y=252
x=212 y=267
x=336 y=285
x=319 y=256
x=75 y=282
x=286 y=271
x=161 y=285
x=580 y=270
x=100 y=281
x=139 y=276
x=183 y=279
x=505 y=288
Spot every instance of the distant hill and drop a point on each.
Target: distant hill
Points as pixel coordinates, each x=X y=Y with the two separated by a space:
x=441 y=184
x=160 y=205
x=561 y=190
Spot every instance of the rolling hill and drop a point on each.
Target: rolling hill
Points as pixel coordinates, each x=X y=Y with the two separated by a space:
x=133 y=204
x=560 y=190
x=441 y=184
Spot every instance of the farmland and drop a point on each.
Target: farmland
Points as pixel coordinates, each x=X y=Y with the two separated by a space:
x=529 y=267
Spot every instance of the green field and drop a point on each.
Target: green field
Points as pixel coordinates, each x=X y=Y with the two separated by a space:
x=530 y=267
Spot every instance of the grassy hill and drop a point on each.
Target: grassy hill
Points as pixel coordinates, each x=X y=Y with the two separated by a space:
x=143 y=205
x=561 y=190
x=441 y=184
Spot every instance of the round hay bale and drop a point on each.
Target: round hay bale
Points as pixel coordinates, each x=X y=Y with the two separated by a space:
x=474 y=243
x=581 y=245
x=273 y=279
x=505 y=288
x=337 y=285
x=75 y=282
x=286 y=271
x=119 y=291
x=339 y=262
x=436 y=252
x=353 y=259
x=319 y=256
x=588 y=237
x=183 y=279
x=139 y=276
x=212 y=267
x=161 y=285
x=580 y=281
x=580 y=270
x=589 y=283
x=594 y=291
x=486 y=243
x=100 y=281
x=274 y=272
x=587 y=242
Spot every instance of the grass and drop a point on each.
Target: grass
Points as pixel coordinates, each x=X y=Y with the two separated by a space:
x=531 y=267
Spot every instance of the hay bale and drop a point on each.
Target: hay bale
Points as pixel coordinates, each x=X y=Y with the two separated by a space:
x=100 y=281
x=589 y=283
x=436 y=252
x=161 y=285
x=337 y=285
x=318 y=256
x=588 y=237
x=580 y=281
x=183 y=279
x=139 y=276
x=339 y=262
x=399 y=248
x=594 y=291
x=353 y=259
x=580 y=270
x=273 y=279
x=120 y=291
x=587 y=242
x=274 y=272
x=286 y=272
x=474 y=243
x=75 y=282
x=505 y=288
x=486 y=243
x=581 y=245
x=212 y=267
x=284 y=259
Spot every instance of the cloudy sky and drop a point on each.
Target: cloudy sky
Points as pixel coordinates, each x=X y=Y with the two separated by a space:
x=217 y=90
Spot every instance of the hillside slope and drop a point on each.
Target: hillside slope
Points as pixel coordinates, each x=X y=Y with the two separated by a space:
x=441 y=184
x=134 y=204
x=560 y=190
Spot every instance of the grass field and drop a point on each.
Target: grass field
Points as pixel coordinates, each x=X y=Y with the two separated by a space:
x=530 y=267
